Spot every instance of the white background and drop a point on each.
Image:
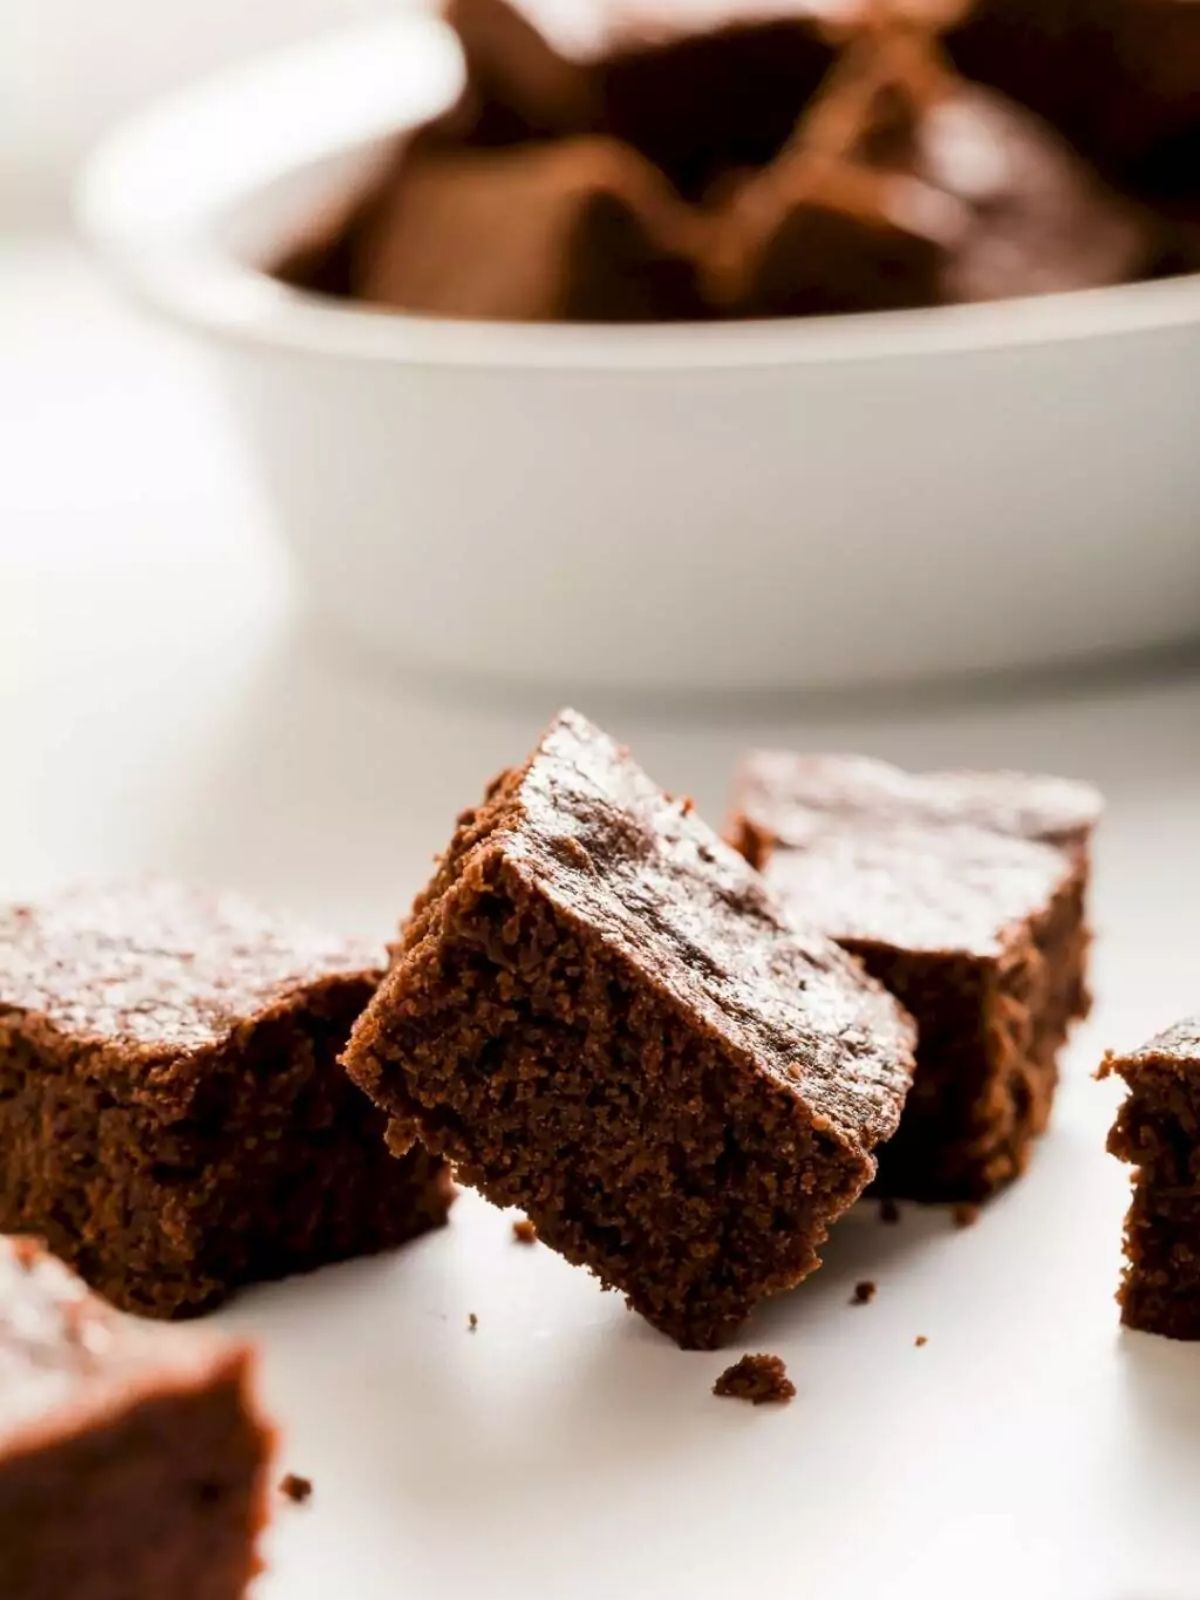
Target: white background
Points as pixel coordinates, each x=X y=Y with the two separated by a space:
x=163 y=707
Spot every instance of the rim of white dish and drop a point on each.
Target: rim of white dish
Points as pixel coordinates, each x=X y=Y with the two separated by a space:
x=151 y=198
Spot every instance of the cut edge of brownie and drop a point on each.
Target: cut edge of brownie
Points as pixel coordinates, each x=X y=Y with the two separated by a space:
x=1157 y=1131
x=1018 y=1011
x=1027 y=997
x=238 y=1159
x=494 y=974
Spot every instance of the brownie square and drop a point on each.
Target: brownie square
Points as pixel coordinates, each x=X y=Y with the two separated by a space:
x=941 y=885
x=1158 y=1131
x=699 y=91
x=172 y=1113
x=602 y=1016
x=133 y=1460
x=580 y=229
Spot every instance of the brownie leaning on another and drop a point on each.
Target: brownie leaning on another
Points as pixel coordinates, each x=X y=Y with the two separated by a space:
x=600 y=1013
x=965 y=894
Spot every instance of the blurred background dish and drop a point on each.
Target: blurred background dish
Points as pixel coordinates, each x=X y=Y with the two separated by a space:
x=743 y=506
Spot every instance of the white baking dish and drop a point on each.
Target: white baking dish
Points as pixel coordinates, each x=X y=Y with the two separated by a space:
x=741 y=506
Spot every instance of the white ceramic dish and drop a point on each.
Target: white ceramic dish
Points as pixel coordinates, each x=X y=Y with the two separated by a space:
x=756 y=505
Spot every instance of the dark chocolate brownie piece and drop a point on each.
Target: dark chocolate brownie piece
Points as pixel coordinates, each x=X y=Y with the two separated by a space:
x=172 y=1112
x=1158 y=1131
x=133 y=1460
x=980 y=932
x=580 y=229
x=827 y=237
x=697 y=89
x=904 y=185
x=761 y=1379
x=601 y=1015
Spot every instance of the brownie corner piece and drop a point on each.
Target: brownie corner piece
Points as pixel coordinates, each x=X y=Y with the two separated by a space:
x=133 y=1459
x=173 y=1114
x=1157 y=1130
x=601 y=1016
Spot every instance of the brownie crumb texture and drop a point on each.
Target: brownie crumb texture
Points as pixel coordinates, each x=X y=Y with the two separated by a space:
x=602 y=1017
x=1156 y=1131
x=965 y=1214
x=472 y=1322
x=173 y=1115
x=296 y=1488
x=524 y=1231
x=920 y=1340
x=864 y=1292
x=761 y=1379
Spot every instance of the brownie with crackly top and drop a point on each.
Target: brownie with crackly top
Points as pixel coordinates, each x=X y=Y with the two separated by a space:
x=133 y=1460
x=965 y=894
x=172 y=1113
x=1157 y=1130
x=601 y=1014
x=779 y=792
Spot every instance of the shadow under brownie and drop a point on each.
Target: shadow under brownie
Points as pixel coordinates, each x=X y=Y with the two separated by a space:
x=1158 y=1131
x=172 y=1113
x=601 y=1015
x=979 y=929
x=133 y=1461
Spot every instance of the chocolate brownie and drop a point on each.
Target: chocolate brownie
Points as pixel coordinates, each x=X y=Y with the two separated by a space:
x=581 y=229
x=904 y=185
x=599 y=1012
x=133 y=1460
x=697 y=89
x=172 y=1113
x=1156 y=1130
x=979 y=930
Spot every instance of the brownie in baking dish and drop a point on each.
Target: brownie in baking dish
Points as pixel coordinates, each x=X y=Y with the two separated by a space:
x=942 y=885
x=172 y=1113
x=599 y=1012
x=1158 y=1131
x=133 y=1460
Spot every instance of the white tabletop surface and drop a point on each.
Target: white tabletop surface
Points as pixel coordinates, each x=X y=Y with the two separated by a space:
x=164 y=707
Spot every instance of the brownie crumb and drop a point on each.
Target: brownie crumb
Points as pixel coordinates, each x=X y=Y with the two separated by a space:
x=472 y=1322
x=761 y=1379
x=965 y=1215
x=524 y=1231
x=298 y=1489
x=864 y=1292
x=920 y=1340
x=889 y=1211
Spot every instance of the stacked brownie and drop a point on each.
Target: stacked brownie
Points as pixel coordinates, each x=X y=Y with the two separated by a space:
x=132 y=1460
x=963 y=893
x=646 y=162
